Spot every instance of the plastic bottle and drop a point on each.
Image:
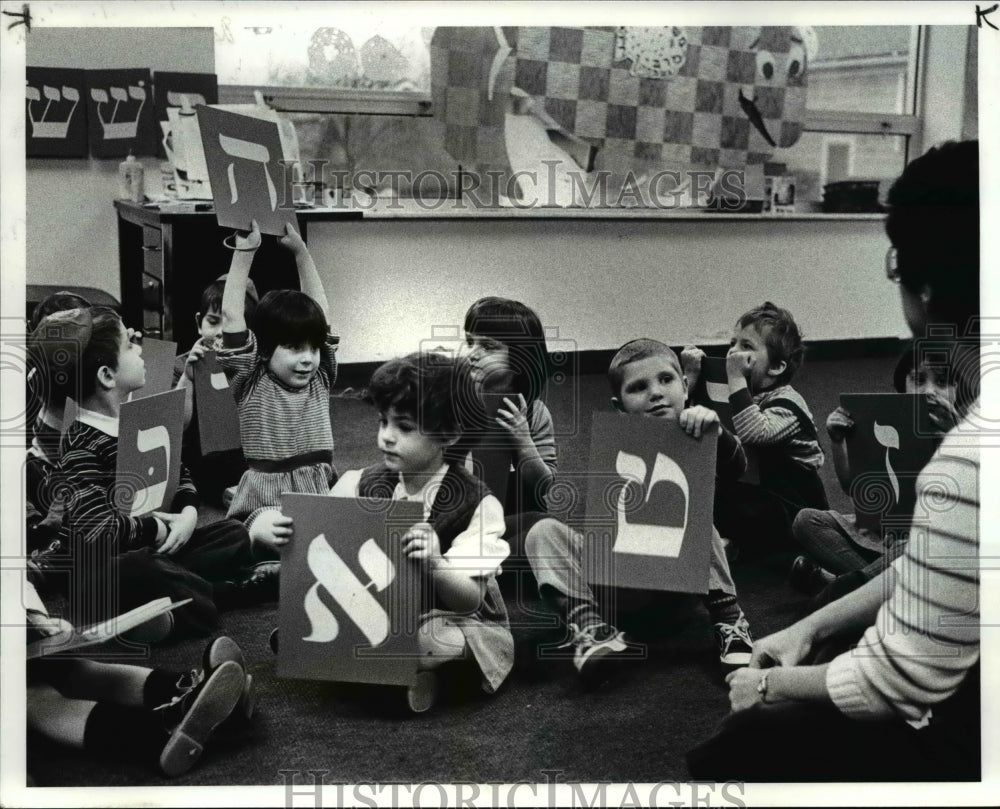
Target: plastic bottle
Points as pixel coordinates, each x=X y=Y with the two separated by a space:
x=130 y=180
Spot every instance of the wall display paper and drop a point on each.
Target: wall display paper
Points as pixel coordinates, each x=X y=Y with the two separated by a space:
x=712 y=391
x=215 y=406
x=159 y=357
x=149 y=453
x=244 y=156
x=892 y=441
x=120 y=113
x=56 y=112
x=651 y=530
x=350 y=601
x=181 y=91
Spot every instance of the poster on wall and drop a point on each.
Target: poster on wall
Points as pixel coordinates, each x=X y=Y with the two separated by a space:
x=182 y=91
x=120 y=113
x=56 y=121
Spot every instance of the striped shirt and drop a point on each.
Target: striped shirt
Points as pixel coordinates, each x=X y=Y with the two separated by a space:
x=758 y=422
x=87 y=471
x=926 y=636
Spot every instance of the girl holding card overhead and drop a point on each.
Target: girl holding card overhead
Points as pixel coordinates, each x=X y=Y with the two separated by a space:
x=281 y=373
x=459 y=545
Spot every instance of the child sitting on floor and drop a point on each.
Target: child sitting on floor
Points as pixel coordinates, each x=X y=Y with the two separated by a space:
x=459 y=545
x=775 y=426
x=117 y=561
x=214 y=472
x=281 y=373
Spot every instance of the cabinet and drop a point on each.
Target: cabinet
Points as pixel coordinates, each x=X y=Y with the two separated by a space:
x=167 y=259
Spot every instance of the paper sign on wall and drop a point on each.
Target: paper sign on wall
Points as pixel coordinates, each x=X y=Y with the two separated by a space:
x=182 y=90
x=159 y=356
x=350 y=601
x=149 y=453
x=120 y=113
x=244 y=157
x=651 y=530
x=56 y=118
x=712 y=391
x=218 y=419
x=892 y=441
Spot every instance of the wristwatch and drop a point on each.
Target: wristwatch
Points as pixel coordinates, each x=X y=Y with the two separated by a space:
x=762 y=686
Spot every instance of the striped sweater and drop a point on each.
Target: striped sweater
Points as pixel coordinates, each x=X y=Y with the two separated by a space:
x=926 y=636
x=87 y=470
x=758 y=422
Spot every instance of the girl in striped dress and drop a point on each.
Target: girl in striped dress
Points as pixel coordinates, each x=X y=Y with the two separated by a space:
x=281 y=373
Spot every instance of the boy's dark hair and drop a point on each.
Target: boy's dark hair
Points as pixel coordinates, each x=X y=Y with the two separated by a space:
x=516 y=326
x=634 y=351
x=69 y=346
x=287 y=317
x=56 y=302
x=427 y=387
x=933 y=222
x=103 y=348
x=211 y=299
x=781 y=337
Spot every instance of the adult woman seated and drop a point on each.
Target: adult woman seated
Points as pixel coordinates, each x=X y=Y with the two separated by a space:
x=903 y=704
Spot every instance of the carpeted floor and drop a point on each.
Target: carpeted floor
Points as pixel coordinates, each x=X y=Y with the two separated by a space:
x=634 y=729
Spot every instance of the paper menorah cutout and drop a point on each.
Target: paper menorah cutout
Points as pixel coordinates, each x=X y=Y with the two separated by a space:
x=244 y=157
x=120 y=112
x=892 y=441
x=56 y=120
x=215 y=406
x=712 y=391
x=652 y=529
x=149 y=453
x=350 y=601
x=159 y=356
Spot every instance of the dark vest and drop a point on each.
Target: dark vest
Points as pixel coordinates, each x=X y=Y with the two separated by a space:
x=454 y=504
x=796 y=486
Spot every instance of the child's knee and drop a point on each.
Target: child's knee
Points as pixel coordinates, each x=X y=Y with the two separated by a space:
x=549 y=537
x=439 y=640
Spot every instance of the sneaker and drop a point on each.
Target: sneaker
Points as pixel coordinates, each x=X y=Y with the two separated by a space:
x=595 y=646
x=735 y=643
x=421 y=695
x=193 y=716
x=219 y=651
x=807 y=577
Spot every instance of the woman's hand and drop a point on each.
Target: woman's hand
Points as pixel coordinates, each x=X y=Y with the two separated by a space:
x=421 y=542
x=743 y=684
x=272 y=528
x=789 y=647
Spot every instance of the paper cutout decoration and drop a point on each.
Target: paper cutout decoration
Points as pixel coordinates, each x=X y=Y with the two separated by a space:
x=653 y=529
x=56 y=123
x=159 y=357
x=893 y=440
x=179 y=90
x=215 y=406
x=120 y=113
x=248 y=179
x=149 y=453
x=737 y=93
x=350 y=601
x=712 y=391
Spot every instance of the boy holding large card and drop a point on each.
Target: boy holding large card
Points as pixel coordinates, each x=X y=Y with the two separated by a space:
x=118 y=561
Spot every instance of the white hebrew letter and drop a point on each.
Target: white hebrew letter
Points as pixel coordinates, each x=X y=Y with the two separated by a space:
x=248 y=150
x=503 y=51
x=376 y=565
x=51 y=129
x=219 y=381
x=888 y=438
x=648 y=539
x=119 y=94
x=120 y=130
x=32 y=94
x=185 y=100
x=717 y=391
x=347 y=590
x=151 y=497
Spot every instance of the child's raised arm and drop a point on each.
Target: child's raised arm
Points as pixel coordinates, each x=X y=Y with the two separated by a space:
x=234 y=294
x=309 y=280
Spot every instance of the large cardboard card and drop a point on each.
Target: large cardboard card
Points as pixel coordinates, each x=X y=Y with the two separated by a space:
x=149 y=453
x=712 y=391
x=159 y=356
x=350 y=601
x=120 y=113
x=492 y=455
x=56 y=120
x=218 y=419
x=245 y=167
x=893 y=440
x=651 y=528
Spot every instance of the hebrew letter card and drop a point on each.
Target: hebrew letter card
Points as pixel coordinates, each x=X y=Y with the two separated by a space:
x=183 y=91
x=218 y=419
x=651 y=527
x=350 y=601
x=149 y=453
x=56 y=123
x=120 y=113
